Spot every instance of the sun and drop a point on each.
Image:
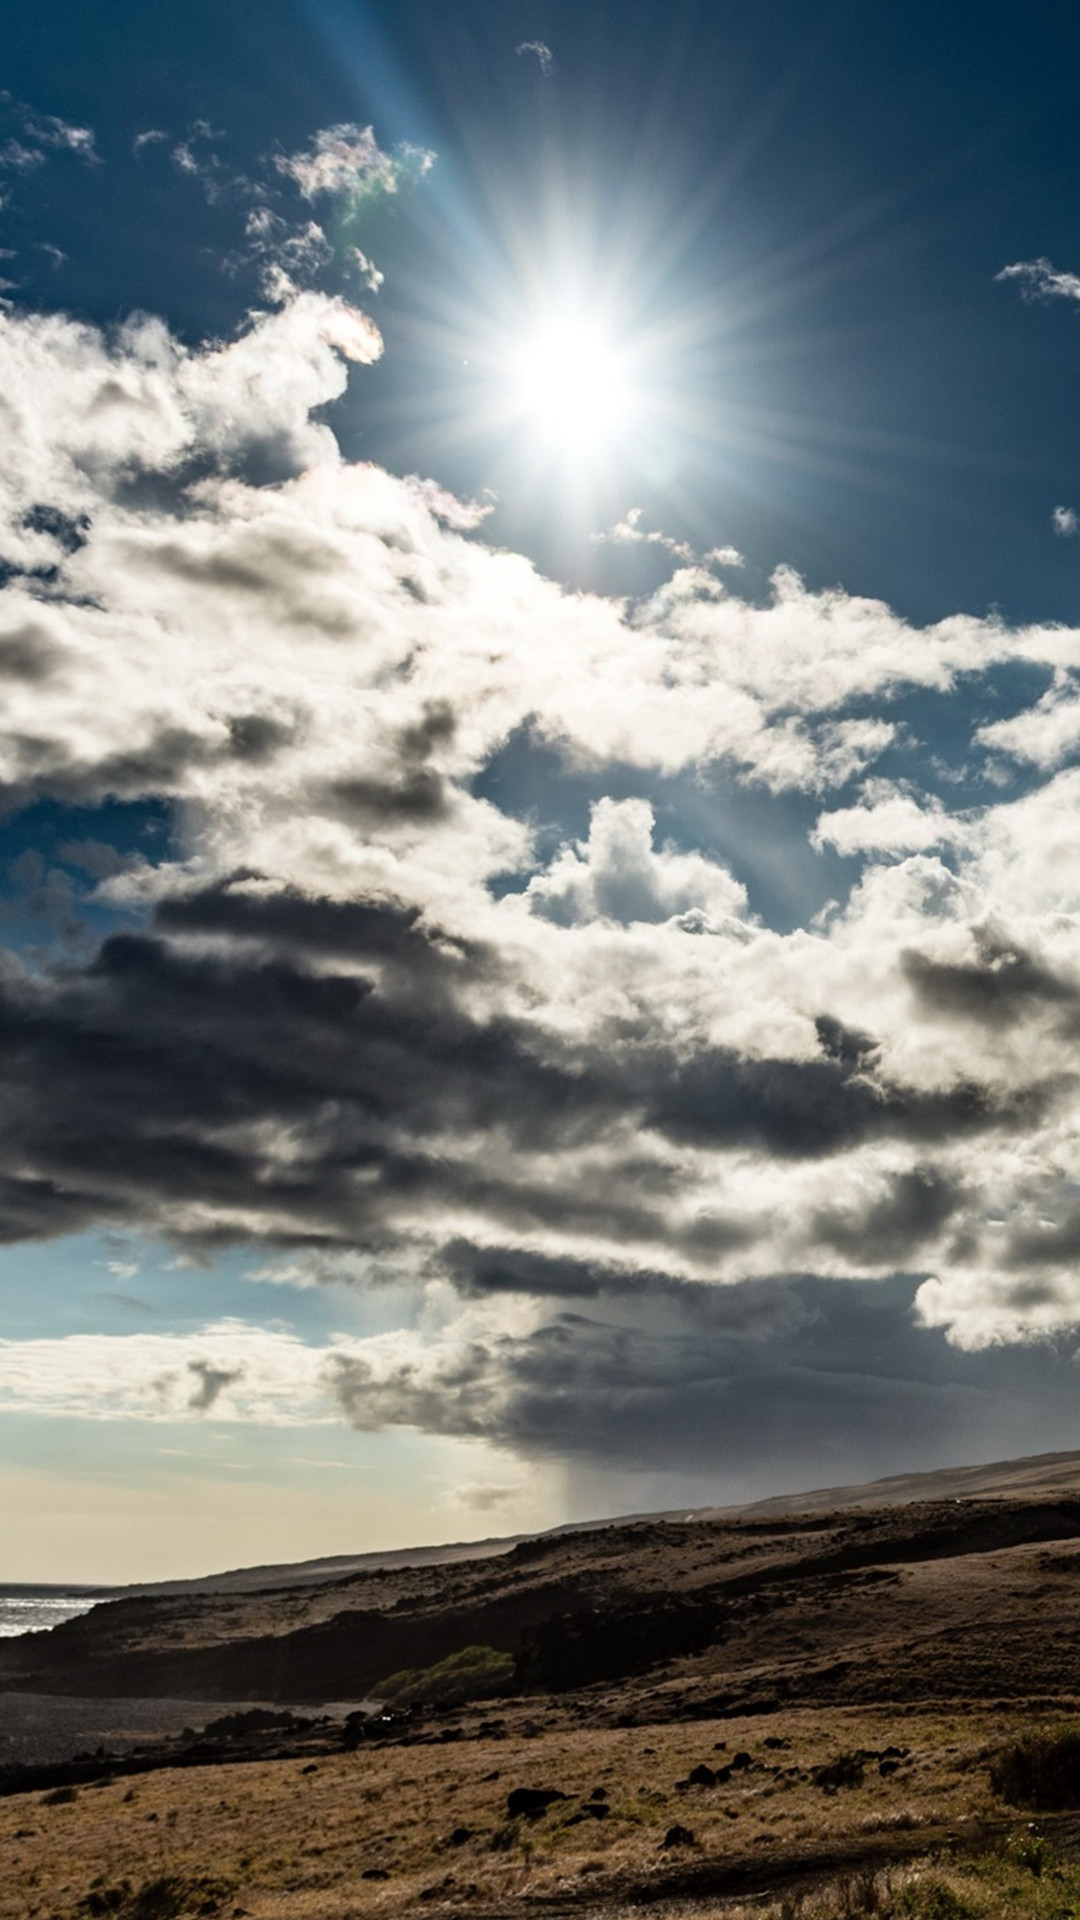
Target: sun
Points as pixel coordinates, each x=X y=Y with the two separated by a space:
x=570 y=384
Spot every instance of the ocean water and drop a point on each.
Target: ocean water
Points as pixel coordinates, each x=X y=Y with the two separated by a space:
x=34 y=1609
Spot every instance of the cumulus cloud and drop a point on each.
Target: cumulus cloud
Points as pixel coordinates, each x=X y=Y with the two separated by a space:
x=616 y=875
x=1044 y=734
x=371 y=1008
x=1065 y=521
x=888 y=819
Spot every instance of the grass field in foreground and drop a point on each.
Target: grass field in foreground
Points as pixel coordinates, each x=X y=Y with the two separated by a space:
x=392 y=1829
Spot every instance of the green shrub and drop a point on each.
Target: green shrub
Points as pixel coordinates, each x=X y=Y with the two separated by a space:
x=1041 y=1772
x=476 y=1673
x=929 y=1898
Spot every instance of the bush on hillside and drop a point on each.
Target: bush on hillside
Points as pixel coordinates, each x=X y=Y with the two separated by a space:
x=1042 y=1772
x=476 y=1673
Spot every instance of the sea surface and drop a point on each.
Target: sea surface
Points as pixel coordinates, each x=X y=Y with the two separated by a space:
x=34 y=1609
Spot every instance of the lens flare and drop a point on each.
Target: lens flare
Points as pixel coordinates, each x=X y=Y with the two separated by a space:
x=570 y=383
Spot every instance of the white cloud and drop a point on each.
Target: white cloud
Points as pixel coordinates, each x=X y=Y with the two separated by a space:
x=978 y=1307
x=347 y=159
x=630 y=531
x=315 y=663
x=1044 y=734
x=616 y=875
x=60 y=135
x=540 y=52
x=888 y=819
x=231 y=1370
x=1041 y=280
x=1065 y=521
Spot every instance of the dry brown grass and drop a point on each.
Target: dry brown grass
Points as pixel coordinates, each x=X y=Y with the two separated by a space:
x=294 y=1844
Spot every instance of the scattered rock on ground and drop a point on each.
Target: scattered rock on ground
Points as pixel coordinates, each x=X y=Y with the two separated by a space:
x=531 y=1801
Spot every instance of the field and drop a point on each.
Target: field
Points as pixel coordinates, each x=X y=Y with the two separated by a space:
x=297 y=1837
x=798 y=1715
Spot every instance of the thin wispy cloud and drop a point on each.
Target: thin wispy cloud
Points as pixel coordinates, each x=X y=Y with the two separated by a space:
x=1041 y=280
x=540 y=52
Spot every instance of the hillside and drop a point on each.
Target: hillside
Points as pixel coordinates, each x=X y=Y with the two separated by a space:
x=859 y=1593
x=802 y=1701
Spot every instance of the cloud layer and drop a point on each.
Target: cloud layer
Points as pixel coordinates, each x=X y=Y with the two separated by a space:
x=364 y=1005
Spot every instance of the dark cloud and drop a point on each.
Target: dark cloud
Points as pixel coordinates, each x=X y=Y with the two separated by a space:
x=94 y=857
x=842 y=1391
x=161 y=765
x=29 y=653
x=421 y=795
x=812 y=1108
x=1043 y=1242
x=891 y=1229
x=418 y=792
x=211 y=1383
x=997 y=989
x=159 y=1082
x=483 y=1272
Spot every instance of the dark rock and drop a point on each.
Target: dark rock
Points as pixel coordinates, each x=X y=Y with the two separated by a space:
x=459 y=1836
x=531 y=1801
x=845 y=1771
x=886 y=1767
x=776 y=1742
x=310 y=1768
x=592 y=1810
x=703 y=1777
x=599 y=1793
x=375 y=1873
x=678 y=1837
x=740 y=1761
x=722 y=1776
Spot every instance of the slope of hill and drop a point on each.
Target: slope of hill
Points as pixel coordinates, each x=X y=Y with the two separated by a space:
x=693 y=1708
x=858 y=1593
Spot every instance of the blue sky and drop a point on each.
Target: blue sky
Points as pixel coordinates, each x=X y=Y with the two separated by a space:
x=539 y=877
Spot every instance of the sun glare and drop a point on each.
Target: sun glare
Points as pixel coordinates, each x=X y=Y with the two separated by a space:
x=570 y=383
